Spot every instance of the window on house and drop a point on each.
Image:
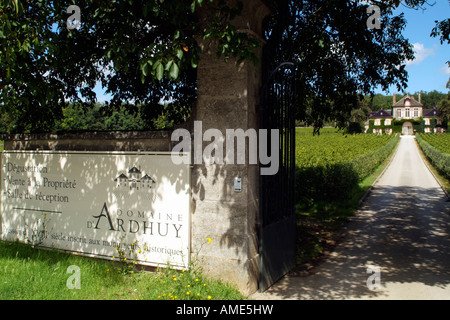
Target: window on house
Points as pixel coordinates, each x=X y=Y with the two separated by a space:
x=416 y=112
x=387 y=122
x=399 y=113
x=407 y=114
x=427 y=122
x=377 y=122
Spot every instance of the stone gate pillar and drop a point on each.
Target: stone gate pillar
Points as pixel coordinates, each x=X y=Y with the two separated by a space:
x=227 y=99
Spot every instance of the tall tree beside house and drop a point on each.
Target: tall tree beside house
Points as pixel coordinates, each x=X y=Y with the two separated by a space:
x=143 y=52
x=431 y=99
x=381 y=102
x=444 y=107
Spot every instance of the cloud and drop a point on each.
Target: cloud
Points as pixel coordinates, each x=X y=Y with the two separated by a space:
x=420 y=53
x=445 y=70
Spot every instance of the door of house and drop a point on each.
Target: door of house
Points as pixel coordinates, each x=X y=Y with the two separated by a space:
x=407 y=129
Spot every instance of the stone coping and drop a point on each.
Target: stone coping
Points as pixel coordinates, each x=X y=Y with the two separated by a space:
x=88 y=135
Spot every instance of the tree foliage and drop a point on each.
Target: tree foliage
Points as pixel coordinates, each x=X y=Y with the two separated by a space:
x=339 y=57
x=144 y=52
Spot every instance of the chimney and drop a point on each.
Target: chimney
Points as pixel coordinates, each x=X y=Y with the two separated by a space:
x=420 y=97
x=394 y=99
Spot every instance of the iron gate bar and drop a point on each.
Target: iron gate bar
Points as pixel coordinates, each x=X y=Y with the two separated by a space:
x=276 y=220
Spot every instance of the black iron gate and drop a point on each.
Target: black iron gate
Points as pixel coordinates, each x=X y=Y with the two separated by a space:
x=277 y=225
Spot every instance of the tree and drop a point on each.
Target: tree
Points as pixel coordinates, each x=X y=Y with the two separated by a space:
x=144 y=52
x=444 y=108
x=431 y=99
x=382 y=102
x=339 y=57
x=140 y=51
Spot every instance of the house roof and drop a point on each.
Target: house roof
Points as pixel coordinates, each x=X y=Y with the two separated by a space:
x=122 y=176
x=147 y=177
x=381 y=114
x=431 y=113
x=413 y=102
x=134 y=170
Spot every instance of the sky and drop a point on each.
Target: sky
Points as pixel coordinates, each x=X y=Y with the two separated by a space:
x=428 y=71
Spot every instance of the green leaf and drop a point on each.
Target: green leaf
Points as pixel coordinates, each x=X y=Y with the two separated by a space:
x=159 y=70
x=179 y=54
x=169 y=65
x=194 y=63
x=174 y=71
x=144 y=69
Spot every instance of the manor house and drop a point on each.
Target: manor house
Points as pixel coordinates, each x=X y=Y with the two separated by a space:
x=407 y=116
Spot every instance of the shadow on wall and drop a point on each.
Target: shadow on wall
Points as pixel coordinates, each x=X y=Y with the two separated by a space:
x=79 y=196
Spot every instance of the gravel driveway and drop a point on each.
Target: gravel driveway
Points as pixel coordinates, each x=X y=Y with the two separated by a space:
x=399 y=238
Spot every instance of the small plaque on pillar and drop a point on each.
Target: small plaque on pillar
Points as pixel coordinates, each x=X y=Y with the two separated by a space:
x=237 y=184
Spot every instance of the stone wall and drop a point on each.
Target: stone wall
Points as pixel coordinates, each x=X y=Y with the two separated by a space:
x=227 y=99
x=91 y=141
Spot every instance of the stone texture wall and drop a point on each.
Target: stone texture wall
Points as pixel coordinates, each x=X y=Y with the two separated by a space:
x=91 y=141
x=227 y=99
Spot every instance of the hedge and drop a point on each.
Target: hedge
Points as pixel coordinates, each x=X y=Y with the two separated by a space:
x=439 y=160
x=337 y=181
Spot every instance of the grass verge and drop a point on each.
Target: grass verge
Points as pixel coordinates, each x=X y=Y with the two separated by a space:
x=28 y=273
